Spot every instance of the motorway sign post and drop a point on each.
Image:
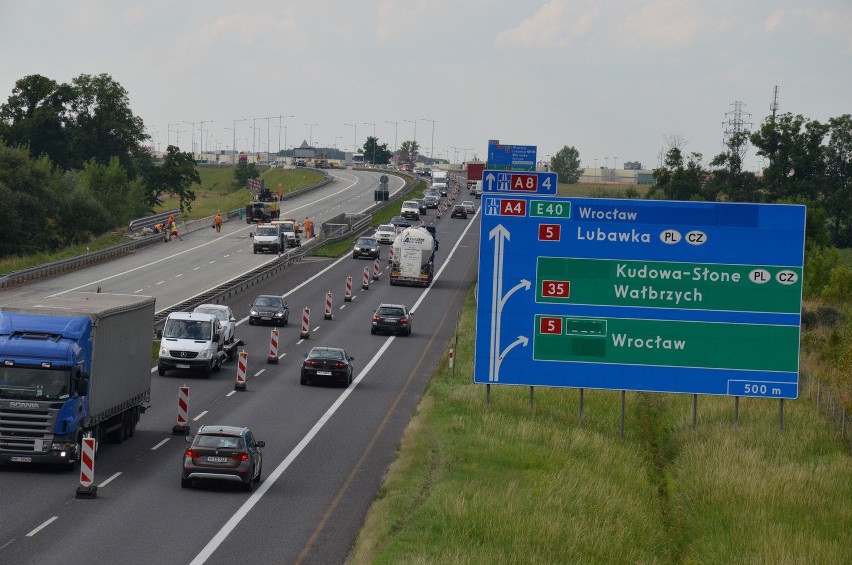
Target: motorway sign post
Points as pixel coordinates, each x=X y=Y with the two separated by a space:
x=511 y=157
x=684 y=297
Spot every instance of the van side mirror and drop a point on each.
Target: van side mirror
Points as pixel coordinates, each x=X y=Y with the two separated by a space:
x=251 y=234
x=81 y=385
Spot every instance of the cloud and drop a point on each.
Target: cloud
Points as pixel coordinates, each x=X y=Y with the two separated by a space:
x=667 y=24
x=557 y=24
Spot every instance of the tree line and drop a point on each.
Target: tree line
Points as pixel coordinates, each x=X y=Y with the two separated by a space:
x=73 y=164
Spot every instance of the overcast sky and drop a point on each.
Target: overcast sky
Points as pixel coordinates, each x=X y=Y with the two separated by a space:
x=614 y=78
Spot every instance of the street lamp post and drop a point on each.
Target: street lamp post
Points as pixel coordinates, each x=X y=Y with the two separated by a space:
x=415 y=134
x=395 y=131
x=355 y=137
x=235 y=138
x=432 y=148
x=285 y=133
x=168 y=136
x=193 y=137
x=311 y=134
x=201 y=134
x=373 y=160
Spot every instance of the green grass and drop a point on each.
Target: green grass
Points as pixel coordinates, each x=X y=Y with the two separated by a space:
x=490 y=483
x=216 y=192
x=18 y=263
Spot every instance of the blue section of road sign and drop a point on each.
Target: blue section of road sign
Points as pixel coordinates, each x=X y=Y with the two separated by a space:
x=511 y=155
x=718 y=234
x=515 y=182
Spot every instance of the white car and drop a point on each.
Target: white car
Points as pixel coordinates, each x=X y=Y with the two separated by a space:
x=226 y=319
x=469 y=206
x=385 y=233
x=410 y=210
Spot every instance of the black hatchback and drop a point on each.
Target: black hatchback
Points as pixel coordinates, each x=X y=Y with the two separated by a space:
x=327 y=364
x=459 y=211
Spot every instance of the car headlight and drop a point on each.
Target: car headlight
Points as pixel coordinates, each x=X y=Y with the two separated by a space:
x=279 y=314
x=164 y=352
x=205 y=354
x=253 y=312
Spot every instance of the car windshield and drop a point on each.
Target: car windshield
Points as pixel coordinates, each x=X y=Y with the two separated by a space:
x=221 y=314
x=366 y=241
x=188 y=329
x=267 y=230
x=219 y=442
x=385 y=227
x=34 y=383
x=409 y=204
x=390 y=311
x=326 y=354
x=268 y=302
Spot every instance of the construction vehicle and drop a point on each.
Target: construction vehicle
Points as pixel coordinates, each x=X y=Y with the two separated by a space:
x=263 y=208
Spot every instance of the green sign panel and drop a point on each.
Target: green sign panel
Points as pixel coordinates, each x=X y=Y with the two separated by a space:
x=550 y=209
x=666 y=343
x=694 y=286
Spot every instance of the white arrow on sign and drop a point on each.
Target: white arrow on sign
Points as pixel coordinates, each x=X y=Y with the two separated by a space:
x=500 y=235
x=490 y=180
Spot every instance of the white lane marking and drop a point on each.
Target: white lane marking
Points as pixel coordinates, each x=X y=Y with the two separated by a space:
x=226 y=256
x=195 y=269
x=243 y=511
x=300 y=341
x=211 y=262
x=257 y=374
x=199 y=416
x=43 y=526
x=138 y=291
x=161 y=282
x=230 y=393
x=282 y=355
x=315 y=329
x=109 y=480
x=342 y=307
x=179 y=275
x=161 y=444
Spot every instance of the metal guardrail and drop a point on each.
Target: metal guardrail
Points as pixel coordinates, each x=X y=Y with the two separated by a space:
x=150 y=221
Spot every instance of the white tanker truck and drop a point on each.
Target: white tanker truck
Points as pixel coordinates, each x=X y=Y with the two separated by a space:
x=413 y=257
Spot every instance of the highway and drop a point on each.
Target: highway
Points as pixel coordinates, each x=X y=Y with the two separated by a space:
x=327 y=449
x=204 y=259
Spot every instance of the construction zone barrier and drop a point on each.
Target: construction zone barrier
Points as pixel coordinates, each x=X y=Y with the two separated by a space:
x=365 y=284
x=347 y=296
x=182 y=426
x=87 y=470
x=328 y=314
x=273 y=347
x=242 y=365
x=376 y=270
x=306 y=323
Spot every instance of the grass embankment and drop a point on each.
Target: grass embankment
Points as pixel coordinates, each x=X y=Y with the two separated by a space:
x=490 y=483
x=216 y=192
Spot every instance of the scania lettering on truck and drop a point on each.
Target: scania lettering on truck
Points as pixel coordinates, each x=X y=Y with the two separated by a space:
x=72 y=366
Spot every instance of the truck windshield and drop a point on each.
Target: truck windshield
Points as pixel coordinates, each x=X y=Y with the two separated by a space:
x=267 y=231
x=187 y=329
x=34 y=383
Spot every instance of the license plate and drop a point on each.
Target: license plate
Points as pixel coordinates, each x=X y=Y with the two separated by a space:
x=212 y=459
x=392 y=320
x=267 y=318
x=324 y=373
x=18 y=459
x=182 y=366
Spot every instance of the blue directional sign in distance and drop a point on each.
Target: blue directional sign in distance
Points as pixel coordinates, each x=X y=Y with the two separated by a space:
x=516 y=182
x=683 y=297
x=511 y=157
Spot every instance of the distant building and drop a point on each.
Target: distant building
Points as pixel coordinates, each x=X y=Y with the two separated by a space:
x=304 y=151
x=633 y=166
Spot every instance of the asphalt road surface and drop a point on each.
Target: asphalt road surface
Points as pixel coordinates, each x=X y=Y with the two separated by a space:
x=327 y=449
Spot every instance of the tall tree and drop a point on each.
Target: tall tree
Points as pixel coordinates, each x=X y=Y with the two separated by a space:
x=838 y=183
x=793 y=146
x=728 y=180
x=408 y=151
x=104 y=126
x=679 y=178
x=36 y=114
x=566 y=164
x=175 y=176
x=375 y=153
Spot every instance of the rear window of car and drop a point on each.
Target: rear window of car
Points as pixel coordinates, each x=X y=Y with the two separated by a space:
x=219 y=442
x=389 y=311
x=326 y=354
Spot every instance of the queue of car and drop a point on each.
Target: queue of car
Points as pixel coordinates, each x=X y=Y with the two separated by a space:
x=232 y=454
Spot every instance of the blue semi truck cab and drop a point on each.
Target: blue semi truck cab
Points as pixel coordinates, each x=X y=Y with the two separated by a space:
x=73 y=365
